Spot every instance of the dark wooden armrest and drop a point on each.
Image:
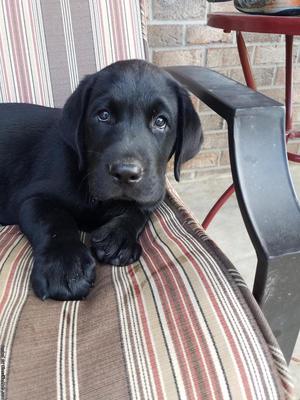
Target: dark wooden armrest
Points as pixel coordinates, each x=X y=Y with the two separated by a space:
x=265 y=193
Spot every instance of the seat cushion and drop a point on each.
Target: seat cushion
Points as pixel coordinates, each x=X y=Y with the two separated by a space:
x=178 y=324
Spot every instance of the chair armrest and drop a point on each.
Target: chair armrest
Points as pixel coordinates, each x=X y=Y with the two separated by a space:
x=265 y=193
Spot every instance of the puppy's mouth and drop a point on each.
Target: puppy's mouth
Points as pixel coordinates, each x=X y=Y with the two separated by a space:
x=143 y=202
x=147 y=192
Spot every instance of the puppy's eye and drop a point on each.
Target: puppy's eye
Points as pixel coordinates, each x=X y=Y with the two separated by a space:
x=160 y=122
x=104 y=116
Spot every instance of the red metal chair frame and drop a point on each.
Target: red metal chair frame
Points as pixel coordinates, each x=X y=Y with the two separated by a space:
x=289 y=26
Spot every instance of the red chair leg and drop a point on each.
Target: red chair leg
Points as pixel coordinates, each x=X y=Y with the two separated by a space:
x=244 y=58
x=213 y=211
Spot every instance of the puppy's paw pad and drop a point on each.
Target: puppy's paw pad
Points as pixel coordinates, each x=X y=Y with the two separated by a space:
x=65 y=275
x=118 y=248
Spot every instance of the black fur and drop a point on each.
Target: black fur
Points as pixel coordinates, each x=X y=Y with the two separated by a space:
x=65 y=170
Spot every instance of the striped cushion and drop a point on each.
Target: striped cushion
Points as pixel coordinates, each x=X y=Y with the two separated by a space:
x=178 y=324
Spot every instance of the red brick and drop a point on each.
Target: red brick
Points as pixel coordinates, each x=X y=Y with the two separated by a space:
x=223 y=7
x=280 y=75
x=178 y=57
x=197 y=34
x=185 y=175
x=296 y=127
x=202 y=107
x=250 y=37
x=275 y=93
x=223 y=56
x=211 y=122
x=279 y=93
x=293 y=147
x=270 y=54
x=296 y=113
x=215 y=141
x=263 y=76
x=179 y=9
x=165 y=35
x=203 y=160
x=296 y=93
x=224 y=159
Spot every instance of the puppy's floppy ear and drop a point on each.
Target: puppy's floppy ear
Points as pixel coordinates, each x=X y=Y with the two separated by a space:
x=189 y=132
x=73 y=114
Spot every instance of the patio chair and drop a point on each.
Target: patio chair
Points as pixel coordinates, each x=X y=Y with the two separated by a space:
x=180 y=323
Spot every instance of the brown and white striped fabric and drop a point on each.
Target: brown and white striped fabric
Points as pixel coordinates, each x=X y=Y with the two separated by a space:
x=178 y=324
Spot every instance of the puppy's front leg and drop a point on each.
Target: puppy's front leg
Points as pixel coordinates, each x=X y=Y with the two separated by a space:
x=64 y=268
x=115 y=242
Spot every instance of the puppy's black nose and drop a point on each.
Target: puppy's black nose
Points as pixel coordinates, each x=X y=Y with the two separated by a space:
x=126 y=172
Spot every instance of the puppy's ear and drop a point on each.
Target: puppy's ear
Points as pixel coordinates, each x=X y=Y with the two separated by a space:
x=73 y=116
x=189 y=132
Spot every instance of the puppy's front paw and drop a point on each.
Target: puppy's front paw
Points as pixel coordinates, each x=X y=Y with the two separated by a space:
x=63 y=272
x=115 y=245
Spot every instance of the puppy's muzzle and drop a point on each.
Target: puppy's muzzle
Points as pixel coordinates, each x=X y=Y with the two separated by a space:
x=126 y=173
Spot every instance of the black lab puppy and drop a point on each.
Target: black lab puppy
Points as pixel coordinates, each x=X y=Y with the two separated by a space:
x=98 y=165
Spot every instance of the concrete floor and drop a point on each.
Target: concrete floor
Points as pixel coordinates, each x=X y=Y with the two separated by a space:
x=228 y=231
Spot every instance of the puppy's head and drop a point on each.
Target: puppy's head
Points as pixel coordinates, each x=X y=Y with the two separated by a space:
x=125 y=122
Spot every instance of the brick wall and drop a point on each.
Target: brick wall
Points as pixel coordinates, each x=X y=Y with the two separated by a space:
x=177 y=34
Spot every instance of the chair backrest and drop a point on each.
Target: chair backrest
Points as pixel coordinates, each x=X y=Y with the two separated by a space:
x=47 y=46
